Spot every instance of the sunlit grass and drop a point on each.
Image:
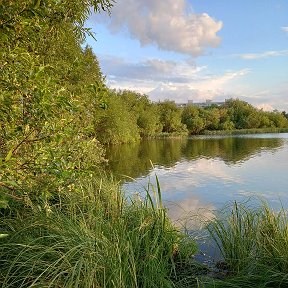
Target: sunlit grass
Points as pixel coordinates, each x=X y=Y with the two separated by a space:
x=95 y=238
x=253 y=243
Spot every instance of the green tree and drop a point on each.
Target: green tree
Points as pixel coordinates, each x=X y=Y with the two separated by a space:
x=192 y=119
x=225 y=119
x=43 y=93
x=242 y=114
x=278 y=119
x=212 y=118
x=170 y=117
x=116 y=124
x=146 y=113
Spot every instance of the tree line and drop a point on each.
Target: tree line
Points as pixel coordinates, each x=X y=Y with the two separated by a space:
x=130 y=116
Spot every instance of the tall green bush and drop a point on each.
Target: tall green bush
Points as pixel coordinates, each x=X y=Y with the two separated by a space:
x=43 y=94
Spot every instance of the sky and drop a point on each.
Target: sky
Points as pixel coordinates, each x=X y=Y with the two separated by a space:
x=196 y=49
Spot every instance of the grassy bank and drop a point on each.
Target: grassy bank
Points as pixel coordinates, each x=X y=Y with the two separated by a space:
x=253 y=243
x=221 y=132
x=245 y=131
x=172 y=135
x=95 y=238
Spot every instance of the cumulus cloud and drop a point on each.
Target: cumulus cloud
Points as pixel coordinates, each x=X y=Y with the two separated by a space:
x=150 y=69
x=265 y=106
x=285 y=29
x=269 y=99
x=162 y=79
x=204 y=87
x=169 y=24
x=266 y=54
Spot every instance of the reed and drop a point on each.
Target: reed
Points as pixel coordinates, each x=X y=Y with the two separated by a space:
x=94 y=238
x=245 y=131
x=253 y=243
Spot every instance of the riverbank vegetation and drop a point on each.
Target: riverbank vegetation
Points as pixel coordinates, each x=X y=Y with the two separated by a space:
x=93 y=238
x=246 y=131
x=63 y=223
x=253 y=242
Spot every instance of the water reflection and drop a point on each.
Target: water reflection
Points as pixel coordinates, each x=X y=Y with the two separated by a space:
x=201 y=174
x=134 y=160
x=190 y=213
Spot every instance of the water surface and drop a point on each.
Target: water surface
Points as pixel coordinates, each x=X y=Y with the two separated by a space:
x=201 y=174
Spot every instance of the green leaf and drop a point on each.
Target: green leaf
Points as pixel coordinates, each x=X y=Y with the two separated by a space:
x=12 y=183
x=36 y=3
x=9 y=155
x=4 y=204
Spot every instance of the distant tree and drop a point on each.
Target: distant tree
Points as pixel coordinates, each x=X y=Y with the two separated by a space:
x=116 y=124
x=278 y=119
x=242 y=114
x=285 y=114
x=170 y=117
x=146 y=113
x=225 y=122
x=212 y=118
x=192 y=119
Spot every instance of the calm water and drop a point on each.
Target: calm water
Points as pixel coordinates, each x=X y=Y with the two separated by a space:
x=201 y=174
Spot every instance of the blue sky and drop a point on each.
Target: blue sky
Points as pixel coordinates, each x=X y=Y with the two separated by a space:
x=196 y=49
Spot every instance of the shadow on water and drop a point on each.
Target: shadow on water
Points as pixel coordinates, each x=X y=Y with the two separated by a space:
x=134 y=160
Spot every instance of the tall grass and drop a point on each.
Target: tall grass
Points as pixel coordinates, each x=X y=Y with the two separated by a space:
x=95 y=238
x=253 y=243
x=246 y=131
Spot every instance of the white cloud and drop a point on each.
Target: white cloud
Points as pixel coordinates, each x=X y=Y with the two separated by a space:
x=190 y=212
x=285 y=29
x=166 y=23
x=156 y=69
x=205 y=87
x=172 y=80
x=265 y=107
x=266 y=54
x=269 y=99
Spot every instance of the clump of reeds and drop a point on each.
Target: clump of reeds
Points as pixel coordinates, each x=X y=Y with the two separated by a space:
x=94 y=238
x=253 y=243
x=246 y=131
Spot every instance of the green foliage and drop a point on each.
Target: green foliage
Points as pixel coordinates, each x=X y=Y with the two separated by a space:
x=170 y=117
x=212 y=118
x=235 y=114
x=45 y=99
x=245 y=116
x=277 y=119
x=191 y=118
x=116 y=124
x=239 y=112
x=146 y=113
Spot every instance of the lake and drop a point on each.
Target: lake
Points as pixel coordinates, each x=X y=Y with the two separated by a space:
x=201 y=174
